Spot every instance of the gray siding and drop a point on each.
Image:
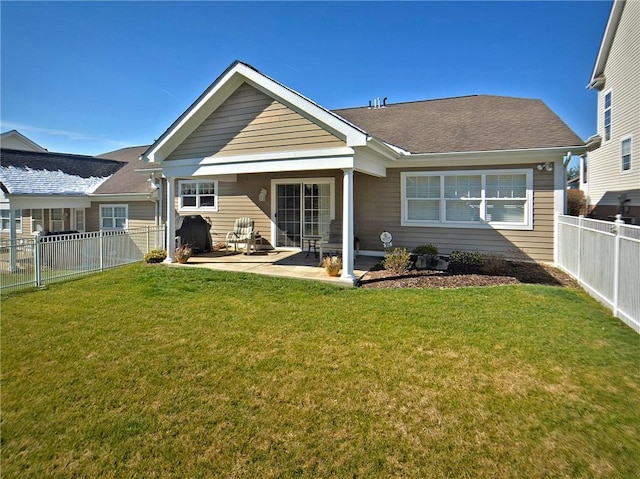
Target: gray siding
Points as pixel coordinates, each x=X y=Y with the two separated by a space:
x=141 y=214
x=378 y=208
x=251 y=122
x=622 y=71
x=238 y=199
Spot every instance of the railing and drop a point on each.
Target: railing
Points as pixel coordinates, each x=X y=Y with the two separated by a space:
x=605 y=259
x=41 y=260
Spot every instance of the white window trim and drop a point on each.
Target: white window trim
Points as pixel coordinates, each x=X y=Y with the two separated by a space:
x=51 y=219
x=604 y=109
x=17 y=220
x=527 y=224
x=34 y=228
x=126 y=220
x=81 y=211
x=198 y=208
x=622 y=140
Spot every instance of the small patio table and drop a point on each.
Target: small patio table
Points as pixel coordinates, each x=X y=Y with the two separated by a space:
x=312 y=241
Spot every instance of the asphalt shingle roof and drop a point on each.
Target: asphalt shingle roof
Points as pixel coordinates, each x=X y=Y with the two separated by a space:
x=127 y=180
x=45 y=173
x=78 y=165
x=463 y=124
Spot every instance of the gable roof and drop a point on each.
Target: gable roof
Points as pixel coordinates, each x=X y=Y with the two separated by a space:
x=228 y=82
x=465 y=124
x=14 y=136
x=45 y=173
x=127 y=180
x=597 y=77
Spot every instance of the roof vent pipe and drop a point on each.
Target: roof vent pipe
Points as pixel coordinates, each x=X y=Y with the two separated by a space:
x=384 y=101
x=369 y=104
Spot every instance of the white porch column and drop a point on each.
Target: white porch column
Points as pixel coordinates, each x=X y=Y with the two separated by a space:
x=347 y=226
x=171 y=220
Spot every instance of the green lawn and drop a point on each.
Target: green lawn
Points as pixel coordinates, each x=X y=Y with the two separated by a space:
x=150 y=371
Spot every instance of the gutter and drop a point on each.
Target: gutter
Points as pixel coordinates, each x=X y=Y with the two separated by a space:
x=524 y=151
x=151 y=196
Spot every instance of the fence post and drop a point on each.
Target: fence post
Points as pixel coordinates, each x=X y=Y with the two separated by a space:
x=101 y=246
x=580 y=228
x=616 y=263
x=37 y=259
x=556 y=238
x=148 y=234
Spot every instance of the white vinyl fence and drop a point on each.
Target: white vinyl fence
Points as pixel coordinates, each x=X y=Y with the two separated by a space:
x=604 y=257
x=41 y=260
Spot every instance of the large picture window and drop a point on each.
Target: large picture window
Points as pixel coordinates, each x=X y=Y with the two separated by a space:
x=198 y=195
x=113 y=217
x=499 y=199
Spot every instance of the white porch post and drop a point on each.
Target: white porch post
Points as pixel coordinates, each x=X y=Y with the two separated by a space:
x=347 y=226
x=171 y=220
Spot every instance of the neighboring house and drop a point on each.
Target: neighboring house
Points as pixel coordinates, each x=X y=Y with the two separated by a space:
x=45 y=192
x=134 y=190
x=477 y=173
x=614 y=164
x=15 y=140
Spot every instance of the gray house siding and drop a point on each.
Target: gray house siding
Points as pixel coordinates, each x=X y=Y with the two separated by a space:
x=378 y=208
x=251 y=122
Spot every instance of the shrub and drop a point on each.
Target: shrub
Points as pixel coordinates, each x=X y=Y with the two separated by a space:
x=465 y=261
x=494 y=264
x=426 y=249
x=466 y=258
x=155 y=256
x=576 y=202
x=397 y=261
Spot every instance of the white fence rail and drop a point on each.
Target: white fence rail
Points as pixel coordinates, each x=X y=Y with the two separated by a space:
x=41 y=260
x=604 y=257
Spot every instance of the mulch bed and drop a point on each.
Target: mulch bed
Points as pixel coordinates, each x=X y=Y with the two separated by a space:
x=511 y=273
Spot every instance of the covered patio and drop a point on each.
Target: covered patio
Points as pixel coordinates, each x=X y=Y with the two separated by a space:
x=277 y=262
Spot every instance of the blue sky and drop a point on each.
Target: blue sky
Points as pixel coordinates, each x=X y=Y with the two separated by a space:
x=91 y=77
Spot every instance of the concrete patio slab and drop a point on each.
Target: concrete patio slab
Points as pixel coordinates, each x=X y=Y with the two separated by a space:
x=291 y=264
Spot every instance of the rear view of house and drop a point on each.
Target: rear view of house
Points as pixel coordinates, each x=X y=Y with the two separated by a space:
x=480 y=173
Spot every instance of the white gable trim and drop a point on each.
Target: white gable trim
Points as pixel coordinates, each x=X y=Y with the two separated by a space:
x=597 y=80
x=224 y=86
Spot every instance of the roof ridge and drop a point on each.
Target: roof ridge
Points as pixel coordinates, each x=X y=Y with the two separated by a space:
x=441 y=99
x=45 y=154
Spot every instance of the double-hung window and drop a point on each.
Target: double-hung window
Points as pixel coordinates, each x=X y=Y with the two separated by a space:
x=607 y=115
x=198 y=195
x=5 y=220
x=113 y=217
x=37 y=220
x=626 y=154
x=497 y=198
x=56 y=220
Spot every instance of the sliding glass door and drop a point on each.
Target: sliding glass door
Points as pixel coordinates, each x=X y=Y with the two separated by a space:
x=303 y=208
